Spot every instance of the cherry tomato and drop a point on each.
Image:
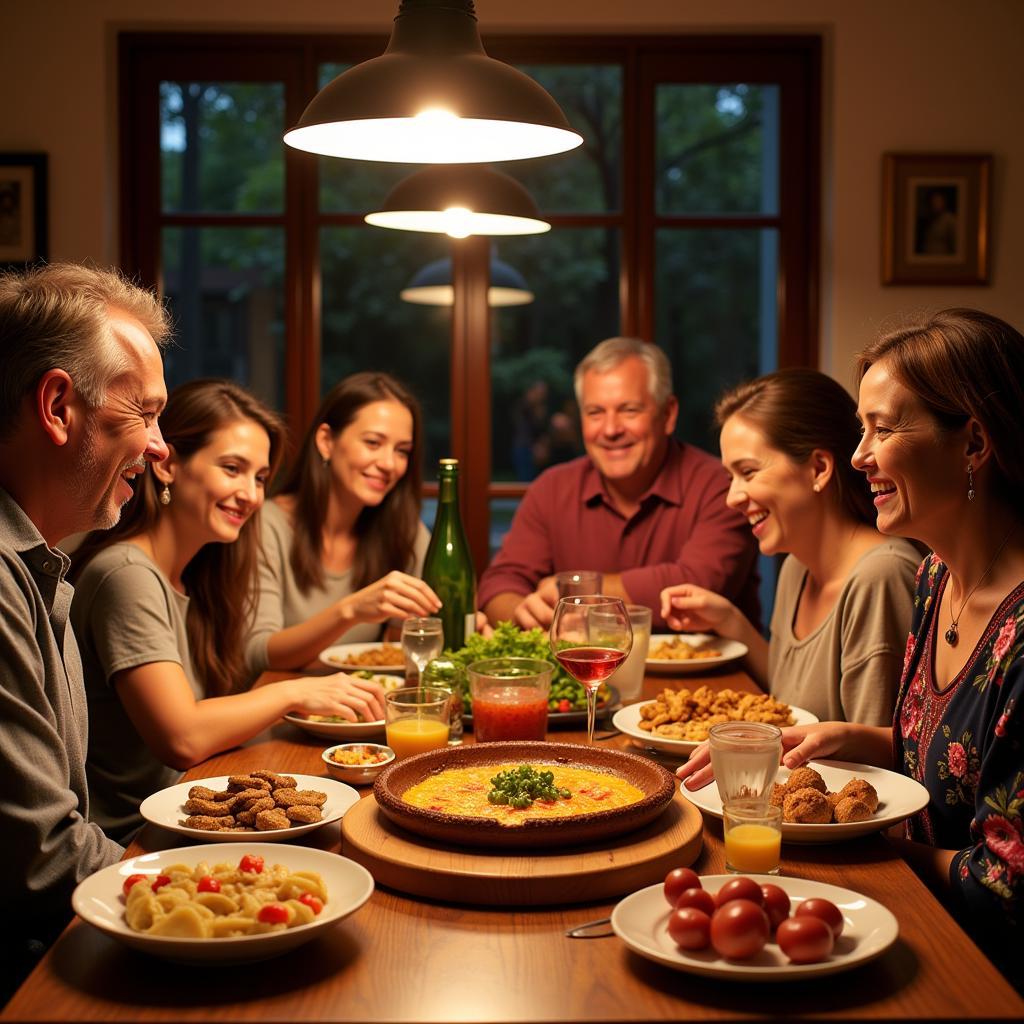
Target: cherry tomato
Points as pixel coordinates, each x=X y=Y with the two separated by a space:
x=689 y=927
x=677 y=881
x=273 y=913
x=776 y=904
x=805 y=939
x=160 y=881
x=740 y=889
x=699 y=898
x=313 y=902
x=130 y=881
x=251 y=862
x=564 y=705
x=207 y=884
x=826 y=911
x=739 y=930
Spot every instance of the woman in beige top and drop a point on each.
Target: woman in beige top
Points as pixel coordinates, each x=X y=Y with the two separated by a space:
x=845 y=593
x=342 y=539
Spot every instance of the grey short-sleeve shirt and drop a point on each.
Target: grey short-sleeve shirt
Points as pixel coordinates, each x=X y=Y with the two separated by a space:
x=125 y=614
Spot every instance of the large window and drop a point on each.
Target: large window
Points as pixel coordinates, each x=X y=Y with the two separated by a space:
x=689 y=218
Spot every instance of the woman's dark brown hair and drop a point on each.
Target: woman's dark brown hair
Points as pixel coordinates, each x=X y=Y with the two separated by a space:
x=221 y=579
x=963 y=363
x=799 y=410
x=385 y=533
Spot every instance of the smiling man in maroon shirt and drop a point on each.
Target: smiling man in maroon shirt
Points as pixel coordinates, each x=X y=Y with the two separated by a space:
x=642 y=508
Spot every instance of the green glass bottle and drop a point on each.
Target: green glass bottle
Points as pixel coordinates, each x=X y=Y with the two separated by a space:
x=448 y=566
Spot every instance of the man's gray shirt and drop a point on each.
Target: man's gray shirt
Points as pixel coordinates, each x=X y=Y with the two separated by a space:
x=47 y=844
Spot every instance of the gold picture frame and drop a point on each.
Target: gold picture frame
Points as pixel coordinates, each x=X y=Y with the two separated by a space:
x=935 y=218
x=23 y=225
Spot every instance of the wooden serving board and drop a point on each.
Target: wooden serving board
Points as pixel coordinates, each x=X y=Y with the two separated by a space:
x=576 y=874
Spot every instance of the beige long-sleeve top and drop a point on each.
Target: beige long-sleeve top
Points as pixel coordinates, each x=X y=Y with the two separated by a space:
x=848 y=668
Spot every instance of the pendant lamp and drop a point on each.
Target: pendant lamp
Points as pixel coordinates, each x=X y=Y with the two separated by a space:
x=460 y=201
x=433 y=96
x=431 y=285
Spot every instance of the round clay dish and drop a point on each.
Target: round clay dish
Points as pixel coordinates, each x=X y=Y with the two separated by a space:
x=657 y=785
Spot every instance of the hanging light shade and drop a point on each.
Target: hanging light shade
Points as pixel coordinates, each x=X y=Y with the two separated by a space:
x=431 y=285
x=460 y=201
x=433 y=96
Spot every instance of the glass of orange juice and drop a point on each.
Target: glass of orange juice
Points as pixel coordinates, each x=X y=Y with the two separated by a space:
x=753 y=837
x=417 y=719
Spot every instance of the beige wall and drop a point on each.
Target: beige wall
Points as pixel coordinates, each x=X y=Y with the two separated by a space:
x=938 y=75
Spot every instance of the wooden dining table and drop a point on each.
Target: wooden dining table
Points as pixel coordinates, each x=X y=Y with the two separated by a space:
x=426 y=961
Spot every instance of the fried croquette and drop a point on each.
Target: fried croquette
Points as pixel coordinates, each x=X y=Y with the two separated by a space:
x=202 y=793
x=276 y=781
x=210 y=808
x=800 y=778
x=778 y=794
x=267 y=821
x=239 y=783
x=303 y=813
x=861 y=789
x=806 y=806
x=209 y=823
x=851 y=808
x=294 y=797
x=248 y=816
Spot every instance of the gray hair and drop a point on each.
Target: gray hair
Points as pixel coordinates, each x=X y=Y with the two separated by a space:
x=607 y=354
x=58 y=317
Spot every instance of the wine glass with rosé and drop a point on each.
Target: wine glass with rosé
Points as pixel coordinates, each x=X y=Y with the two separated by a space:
x=591 y=636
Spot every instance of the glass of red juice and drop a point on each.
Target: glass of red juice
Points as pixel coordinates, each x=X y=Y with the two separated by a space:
x=510 y=698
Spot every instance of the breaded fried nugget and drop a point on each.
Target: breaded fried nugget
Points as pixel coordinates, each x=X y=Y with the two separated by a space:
x=861 y=789
x=248 y=817
x=806 y=806
x=240 y=783
x=778 y=794
x=276 y=781
x=803 y=777
x=294 y=797
x=303 y=813
x=851 y=808
x=202 y=793
x=247 y=797
x=210 y=808
x=208 y=823
x=266 y=821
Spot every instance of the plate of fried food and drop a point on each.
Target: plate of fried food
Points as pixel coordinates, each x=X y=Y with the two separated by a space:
x=677 y=720
x=341 y=730
x=260 y=805
x=376 y=657
x=681 y=653
x=222 y=904
x=831 y=801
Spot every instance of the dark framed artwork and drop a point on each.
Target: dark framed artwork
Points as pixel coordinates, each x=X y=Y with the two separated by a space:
x=22 y=209
x=936 y=218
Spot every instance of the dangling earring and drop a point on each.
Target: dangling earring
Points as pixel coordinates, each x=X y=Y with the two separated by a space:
x=970 y=482
x=165 y=495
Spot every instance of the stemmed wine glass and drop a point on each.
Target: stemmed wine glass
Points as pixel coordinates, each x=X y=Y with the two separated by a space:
x=590 y=636
x=422 y=641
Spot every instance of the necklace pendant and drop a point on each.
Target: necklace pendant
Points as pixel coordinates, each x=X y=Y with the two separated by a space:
x=952 y=636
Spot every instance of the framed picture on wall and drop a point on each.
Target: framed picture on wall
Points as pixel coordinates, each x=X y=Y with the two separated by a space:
x=935 y=218
x=22 y=209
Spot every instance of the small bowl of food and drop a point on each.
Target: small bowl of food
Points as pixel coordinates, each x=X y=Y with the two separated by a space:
x=357 y=763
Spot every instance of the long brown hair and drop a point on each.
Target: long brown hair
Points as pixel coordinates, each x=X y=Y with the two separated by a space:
x=799 y=410
x=385 y=533
x=963 y=363
x=220 y=579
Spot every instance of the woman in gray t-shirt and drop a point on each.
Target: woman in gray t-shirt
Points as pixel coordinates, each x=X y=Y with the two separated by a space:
x=164 y=601
x=845 y=594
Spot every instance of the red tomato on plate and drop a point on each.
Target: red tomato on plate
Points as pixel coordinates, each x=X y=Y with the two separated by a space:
x=699 y=898
x=679 y=880
x=690 y=928
x=740 y=888
x=739 y=930
x=805 y=939
x=826 y=911
x=252 y=863
x=776 y=904
x=273 y=913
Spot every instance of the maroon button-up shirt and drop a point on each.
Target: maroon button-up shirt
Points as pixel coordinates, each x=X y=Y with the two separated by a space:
x=683 y=532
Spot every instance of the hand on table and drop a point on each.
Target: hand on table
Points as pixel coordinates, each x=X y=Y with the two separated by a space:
x=538 y=608
x=338 y=694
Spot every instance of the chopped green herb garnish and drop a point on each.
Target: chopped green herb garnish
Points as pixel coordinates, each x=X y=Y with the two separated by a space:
x=520 y=786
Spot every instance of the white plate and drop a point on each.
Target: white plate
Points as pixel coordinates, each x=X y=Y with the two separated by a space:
x=166 y=810
x=898 y=797
x=339 y=657
x=342 y=732
x=99 y=900
x=641 y=921
x=627 y=720
x=731 y=650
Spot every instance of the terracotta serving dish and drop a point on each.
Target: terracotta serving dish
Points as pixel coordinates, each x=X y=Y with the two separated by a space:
x=656 y=783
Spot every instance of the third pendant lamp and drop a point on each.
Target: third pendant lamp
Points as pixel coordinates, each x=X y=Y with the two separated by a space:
x=433 y=96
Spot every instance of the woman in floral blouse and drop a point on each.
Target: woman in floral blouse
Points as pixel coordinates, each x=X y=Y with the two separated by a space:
x=942 y=409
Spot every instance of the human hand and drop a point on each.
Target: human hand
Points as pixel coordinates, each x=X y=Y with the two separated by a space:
x=348 y=697
x=483 y=627
x=538 y=608
x=686 y=607
x=394 y=596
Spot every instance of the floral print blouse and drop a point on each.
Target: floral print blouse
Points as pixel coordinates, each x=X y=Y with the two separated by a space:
x=965 y=744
